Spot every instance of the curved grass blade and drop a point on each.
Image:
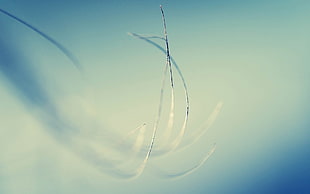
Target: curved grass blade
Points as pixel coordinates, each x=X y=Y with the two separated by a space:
x=204 y=128
x=209 y=121
x=172 y=146
x=63 y=49
x=178 y=175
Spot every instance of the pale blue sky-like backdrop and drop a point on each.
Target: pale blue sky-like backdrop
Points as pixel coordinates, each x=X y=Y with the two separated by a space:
x=251 y=55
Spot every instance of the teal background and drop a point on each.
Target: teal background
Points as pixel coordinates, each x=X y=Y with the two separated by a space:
x=251 y=55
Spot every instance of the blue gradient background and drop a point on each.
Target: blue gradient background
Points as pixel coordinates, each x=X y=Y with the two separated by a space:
x=252 y=55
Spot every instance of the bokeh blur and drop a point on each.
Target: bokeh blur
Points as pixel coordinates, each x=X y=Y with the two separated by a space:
x=251 y=55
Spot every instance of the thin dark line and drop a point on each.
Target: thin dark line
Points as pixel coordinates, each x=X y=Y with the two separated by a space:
x=63 y=49
x=167 y=45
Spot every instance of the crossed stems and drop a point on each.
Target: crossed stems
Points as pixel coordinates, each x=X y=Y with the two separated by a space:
x=112 y=167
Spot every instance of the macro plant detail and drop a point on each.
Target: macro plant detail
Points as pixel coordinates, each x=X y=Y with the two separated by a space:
x=133 y=150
